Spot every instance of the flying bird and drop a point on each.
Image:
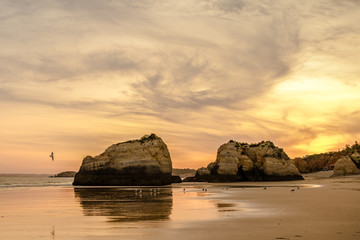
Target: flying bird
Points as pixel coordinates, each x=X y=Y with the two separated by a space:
x=52 y=156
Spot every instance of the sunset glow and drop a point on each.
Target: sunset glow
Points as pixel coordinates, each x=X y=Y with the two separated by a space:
x=78 y=76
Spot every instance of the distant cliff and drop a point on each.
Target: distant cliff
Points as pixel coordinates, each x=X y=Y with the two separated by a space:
x=323 y=161
x=184 y=172
x=65 y=174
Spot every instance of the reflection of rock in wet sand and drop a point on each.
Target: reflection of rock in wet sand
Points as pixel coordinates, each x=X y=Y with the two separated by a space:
x=126 y=205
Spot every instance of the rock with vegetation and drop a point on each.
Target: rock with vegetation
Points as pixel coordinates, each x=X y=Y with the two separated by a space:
x=325 y=161
x=345 y=166
x=252 y=162
x=141 y=162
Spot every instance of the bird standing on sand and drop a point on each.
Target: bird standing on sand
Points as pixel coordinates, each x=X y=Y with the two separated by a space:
x=52 y=156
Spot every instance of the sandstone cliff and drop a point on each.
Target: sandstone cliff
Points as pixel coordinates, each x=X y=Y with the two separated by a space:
x=145 y=161
x=325 y=161
x=250 y=162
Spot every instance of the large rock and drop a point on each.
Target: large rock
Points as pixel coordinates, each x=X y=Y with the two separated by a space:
x=345 y=166
x=137 y=162
x=255 y=162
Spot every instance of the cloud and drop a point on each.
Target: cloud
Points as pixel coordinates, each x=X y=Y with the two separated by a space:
x=188 y=69
x=228 y=6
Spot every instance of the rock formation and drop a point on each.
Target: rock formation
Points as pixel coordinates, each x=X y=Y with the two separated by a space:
x=326 y=161
x=65 y=174
x=137 y=162
x=202 y=175
x=317 y=162
x=356 y=158
x=345 y=166
x=255 y=162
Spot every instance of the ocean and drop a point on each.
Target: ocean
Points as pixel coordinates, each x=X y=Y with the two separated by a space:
x=32 y=180
x=43 y=207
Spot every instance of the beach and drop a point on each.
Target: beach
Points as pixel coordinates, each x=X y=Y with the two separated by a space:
x=318 y=207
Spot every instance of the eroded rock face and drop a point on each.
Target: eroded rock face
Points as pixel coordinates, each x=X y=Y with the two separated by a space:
x=137 y=162
x=326 y=161
x=317 y=162
x=255 y=162
x=345 y=166
x=356 y=158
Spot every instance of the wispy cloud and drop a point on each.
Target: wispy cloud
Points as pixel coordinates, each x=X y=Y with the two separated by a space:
x=191 y=70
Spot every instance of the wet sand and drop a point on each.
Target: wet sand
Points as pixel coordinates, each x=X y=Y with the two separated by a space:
x=322 y=208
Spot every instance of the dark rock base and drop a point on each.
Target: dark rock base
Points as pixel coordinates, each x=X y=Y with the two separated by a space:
x=237 y=178
x=282 y=178
x=176 y=179
x=127 y=177
x=189 y=179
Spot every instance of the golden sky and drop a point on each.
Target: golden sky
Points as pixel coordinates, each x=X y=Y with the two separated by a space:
x=78 y=76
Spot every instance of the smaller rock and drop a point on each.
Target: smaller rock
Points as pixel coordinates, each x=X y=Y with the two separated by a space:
x=210 y=166
x=202 y=175
x=189 y=179
x=65 y=174
x=175 y=179
x=345 y=166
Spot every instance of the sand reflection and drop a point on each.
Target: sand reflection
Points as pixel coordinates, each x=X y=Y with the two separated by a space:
x=126 y=205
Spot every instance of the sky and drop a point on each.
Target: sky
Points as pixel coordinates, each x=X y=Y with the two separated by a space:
x=78 y=76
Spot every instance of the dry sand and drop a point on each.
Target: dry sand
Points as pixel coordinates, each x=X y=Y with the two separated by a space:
x=322 y=208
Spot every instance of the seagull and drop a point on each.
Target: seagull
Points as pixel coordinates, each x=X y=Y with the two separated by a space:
x=52 y=156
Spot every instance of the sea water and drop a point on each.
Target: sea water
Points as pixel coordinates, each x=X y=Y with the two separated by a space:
x=41 y=207
x=32 y=180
